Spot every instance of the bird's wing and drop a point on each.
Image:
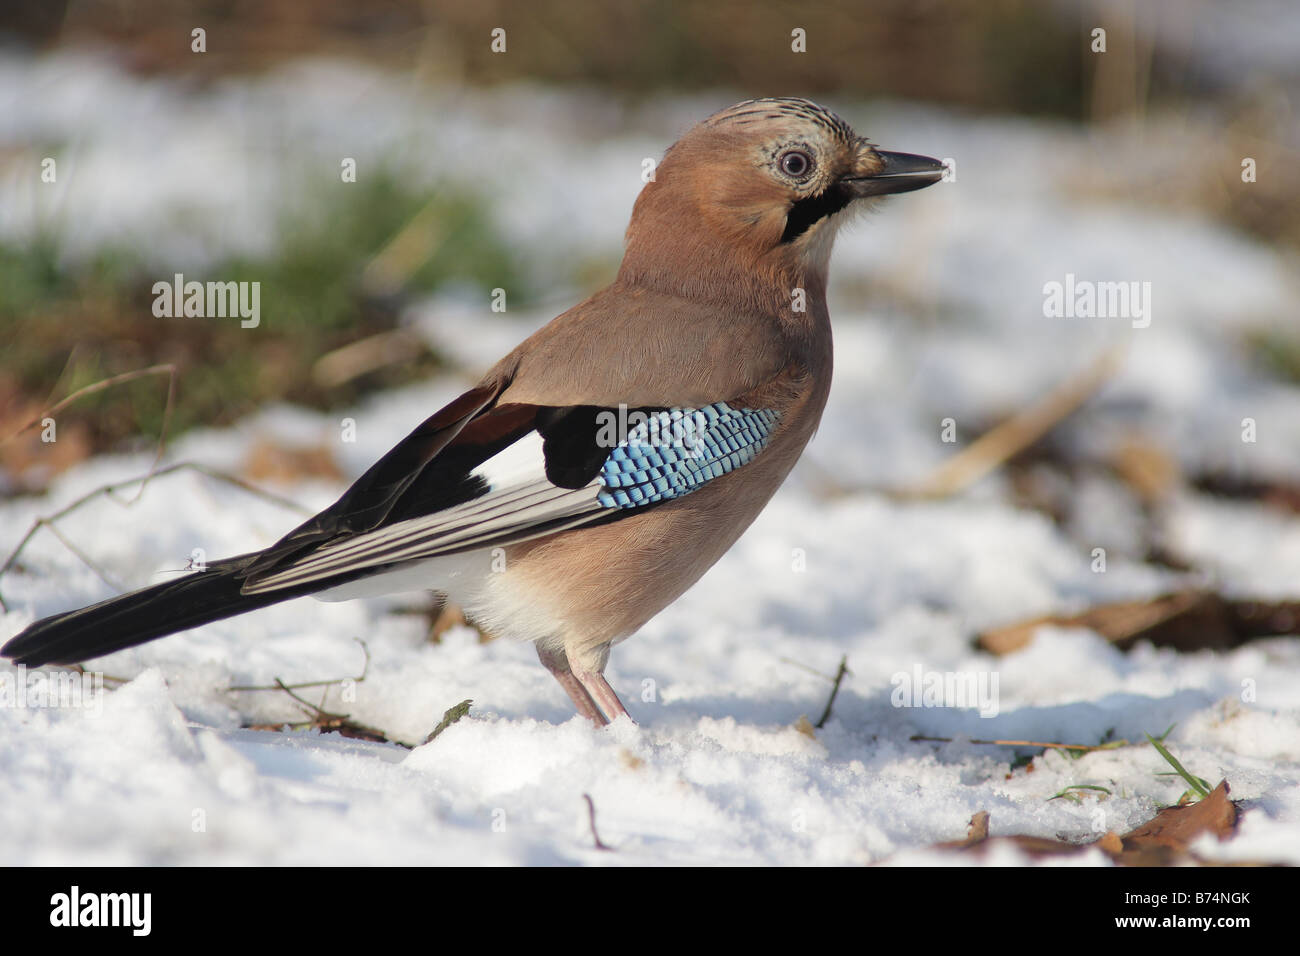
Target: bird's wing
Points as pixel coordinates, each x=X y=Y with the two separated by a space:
x=517 y=472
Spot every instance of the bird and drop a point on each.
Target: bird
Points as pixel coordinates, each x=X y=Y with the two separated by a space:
x=599 y=469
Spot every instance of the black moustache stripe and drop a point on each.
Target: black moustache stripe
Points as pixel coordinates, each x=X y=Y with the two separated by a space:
x=805 y=212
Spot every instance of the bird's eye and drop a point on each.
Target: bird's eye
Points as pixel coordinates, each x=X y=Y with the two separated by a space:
x=796 y=163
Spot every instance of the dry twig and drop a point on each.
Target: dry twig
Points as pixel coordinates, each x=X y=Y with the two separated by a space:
x=591 y=820
x=107 y=383
x=1108 y=745
x=1018 y=432
x=839 y=678
x=110 y=491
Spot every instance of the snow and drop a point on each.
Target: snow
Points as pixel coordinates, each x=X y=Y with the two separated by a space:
x=160 y=771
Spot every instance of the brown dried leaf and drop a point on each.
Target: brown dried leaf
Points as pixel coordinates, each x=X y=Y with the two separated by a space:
x=30 y=460
x=1161 y=841
x=1151 y=472
x=1111 y=843
x=1185 y=620
x=1176 y=827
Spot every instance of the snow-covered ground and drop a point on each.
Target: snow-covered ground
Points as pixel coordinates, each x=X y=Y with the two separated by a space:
x=717 y=771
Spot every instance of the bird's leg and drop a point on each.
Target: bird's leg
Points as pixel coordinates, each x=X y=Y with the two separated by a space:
x=558 y=664
x=587 y=665
x=597 y=687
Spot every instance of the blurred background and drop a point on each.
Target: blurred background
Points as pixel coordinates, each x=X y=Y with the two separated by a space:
x=510 y=161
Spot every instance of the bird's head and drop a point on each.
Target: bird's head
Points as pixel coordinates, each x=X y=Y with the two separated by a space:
x=766 y=184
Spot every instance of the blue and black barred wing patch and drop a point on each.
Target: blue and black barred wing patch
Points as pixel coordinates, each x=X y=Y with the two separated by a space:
x=558 y=468
x=676 y=451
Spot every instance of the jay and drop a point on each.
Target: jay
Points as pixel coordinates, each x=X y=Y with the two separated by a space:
x=599 y=469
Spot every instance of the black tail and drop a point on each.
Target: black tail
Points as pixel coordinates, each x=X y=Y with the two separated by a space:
x=197 y=598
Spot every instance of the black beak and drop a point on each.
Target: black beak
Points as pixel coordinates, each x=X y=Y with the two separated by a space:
x=902 y=173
